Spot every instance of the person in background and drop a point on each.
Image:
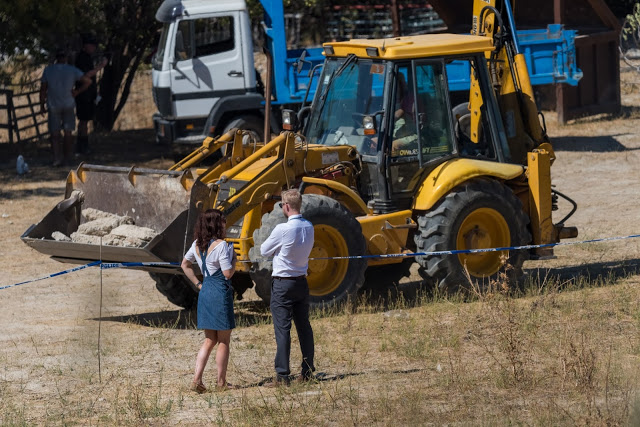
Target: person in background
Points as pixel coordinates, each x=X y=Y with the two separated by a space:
x=290 y=243
x=86 y=101
x=58 y=93
x=217 y=261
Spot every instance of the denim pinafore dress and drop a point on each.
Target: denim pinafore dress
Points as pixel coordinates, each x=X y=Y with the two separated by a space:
x=215 y=300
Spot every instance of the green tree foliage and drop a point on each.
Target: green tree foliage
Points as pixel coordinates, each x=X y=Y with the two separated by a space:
x=126 y=30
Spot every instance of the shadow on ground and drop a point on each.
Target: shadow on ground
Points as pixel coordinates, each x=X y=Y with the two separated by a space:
x=596 y=144
x=609 y=271
x=388 y=288
x=248 y=313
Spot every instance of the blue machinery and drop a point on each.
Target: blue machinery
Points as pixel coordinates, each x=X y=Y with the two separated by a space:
x=550 y=55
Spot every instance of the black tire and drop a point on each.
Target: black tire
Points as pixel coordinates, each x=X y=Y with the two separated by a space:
x=176 y=288
x=253 y=124
x=488 y=211
x=241 y=282
x=337 y=233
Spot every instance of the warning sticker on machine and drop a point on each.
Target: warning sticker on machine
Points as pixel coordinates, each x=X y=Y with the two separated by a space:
x=330 y=158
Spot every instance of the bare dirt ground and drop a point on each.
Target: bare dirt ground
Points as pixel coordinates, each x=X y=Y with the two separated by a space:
x=50 y=372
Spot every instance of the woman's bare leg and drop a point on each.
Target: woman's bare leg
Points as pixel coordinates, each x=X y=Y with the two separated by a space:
x=210 y=340
x=222 y=356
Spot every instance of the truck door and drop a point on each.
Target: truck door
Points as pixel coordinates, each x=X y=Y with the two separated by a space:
x=422 y=127
x=210 y=54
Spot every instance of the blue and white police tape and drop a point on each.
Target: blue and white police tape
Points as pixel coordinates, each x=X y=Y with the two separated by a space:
x=476 y=251
x=60 y=273
x=109 y=265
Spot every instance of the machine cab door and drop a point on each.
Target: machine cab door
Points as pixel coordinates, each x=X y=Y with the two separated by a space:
x=209 y=62
x=421 y=132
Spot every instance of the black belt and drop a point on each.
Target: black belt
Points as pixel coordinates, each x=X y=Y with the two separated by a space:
x=289 y=278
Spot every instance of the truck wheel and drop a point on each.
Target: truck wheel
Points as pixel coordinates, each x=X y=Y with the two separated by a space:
x=337 y=233
x=253 y=124
x=480 y=213
x=176 y=288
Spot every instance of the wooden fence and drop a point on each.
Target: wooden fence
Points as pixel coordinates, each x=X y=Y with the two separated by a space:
x=19 y=113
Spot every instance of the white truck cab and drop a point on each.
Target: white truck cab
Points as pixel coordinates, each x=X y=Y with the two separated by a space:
x=205 y=54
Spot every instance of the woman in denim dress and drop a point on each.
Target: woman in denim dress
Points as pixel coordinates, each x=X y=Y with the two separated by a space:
x=216 y=260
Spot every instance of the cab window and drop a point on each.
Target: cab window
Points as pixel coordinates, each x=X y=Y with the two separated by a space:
x=203 y=37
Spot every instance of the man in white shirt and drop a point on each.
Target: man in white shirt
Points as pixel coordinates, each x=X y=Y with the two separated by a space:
x=290 y=243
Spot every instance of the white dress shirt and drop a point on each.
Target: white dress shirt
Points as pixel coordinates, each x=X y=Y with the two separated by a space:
x=290 y=243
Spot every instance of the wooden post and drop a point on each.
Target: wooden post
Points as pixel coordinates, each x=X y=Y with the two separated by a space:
x=34 y=116
x=11 y=117
x=561 y=96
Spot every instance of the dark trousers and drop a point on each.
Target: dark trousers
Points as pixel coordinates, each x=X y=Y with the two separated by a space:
x=290 y=300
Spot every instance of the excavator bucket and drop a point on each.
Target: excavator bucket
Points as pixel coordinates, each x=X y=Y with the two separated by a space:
x=163 y=203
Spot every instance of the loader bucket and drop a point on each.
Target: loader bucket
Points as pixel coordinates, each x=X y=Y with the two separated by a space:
x=164 y=201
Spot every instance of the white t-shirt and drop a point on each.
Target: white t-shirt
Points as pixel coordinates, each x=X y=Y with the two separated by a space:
x=220 y=257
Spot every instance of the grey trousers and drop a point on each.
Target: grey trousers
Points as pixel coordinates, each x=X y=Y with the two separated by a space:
x=290 y=300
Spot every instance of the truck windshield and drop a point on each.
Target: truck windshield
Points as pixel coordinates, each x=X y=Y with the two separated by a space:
x=158 y=57
x=349 y=89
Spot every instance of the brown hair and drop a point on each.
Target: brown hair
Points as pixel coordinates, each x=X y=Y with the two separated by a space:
x=293 y=198
x=209 y=226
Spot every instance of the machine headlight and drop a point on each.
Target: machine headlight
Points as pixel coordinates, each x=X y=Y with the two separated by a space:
x=289 y=120
x=369 y=125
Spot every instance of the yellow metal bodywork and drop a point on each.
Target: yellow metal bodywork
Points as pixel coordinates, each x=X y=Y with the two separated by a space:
x=411 y=47
x=281 y=163
x=244 y=242
x=516 y=98
x=387 y=234
x=450 y=174
x=342 y=193
x=540 y=203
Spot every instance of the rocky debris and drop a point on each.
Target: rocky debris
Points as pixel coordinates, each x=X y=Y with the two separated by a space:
x=85 y=238
x=61 y=237
x=91 y=214
x=102 y=226
x=115 y=230
x=141 y=233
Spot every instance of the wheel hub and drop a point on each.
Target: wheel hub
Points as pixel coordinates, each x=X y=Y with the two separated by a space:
x=325 y=275
x=482 y=229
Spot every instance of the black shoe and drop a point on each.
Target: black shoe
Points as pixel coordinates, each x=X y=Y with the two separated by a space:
x=305 y=378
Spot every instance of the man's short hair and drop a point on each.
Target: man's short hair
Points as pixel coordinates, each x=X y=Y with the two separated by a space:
x=293 y=198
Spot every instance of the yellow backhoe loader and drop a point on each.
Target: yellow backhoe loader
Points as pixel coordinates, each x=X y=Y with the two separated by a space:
x=386 y=162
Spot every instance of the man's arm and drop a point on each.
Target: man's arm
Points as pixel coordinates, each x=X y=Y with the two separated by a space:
x=43 y=96
x=99 y=67
x=273 y=242
x=85 y=81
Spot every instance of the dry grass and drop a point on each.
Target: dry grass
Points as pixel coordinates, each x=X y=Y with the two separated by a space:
x=557 y=356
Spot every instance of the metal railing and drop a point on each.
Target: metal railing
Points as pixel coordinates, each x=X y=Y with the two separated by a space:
x=19 y=116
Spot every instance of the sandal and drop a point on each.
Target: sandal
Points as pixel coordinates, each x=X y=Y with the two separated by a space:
x=198 y=387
